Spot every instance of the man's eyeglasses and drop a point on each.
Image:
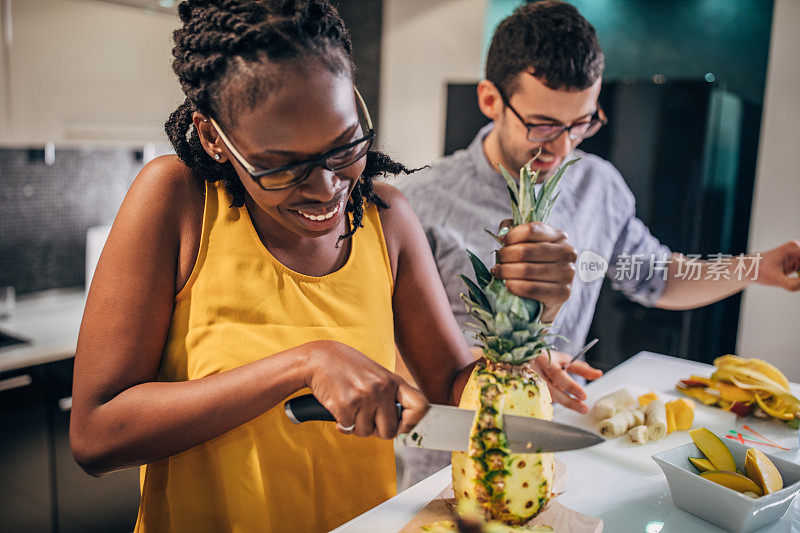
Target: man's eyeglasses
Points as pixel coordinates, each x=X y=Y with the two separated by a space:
x=285 y=176
x=548 y=131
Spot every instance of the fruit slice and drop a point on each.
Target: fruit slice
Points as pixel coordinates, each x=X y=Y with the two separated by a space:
x=769 y=370
x=734 y=394
x=741 y=409
x=733 y=481
x=681 y=412
x=714 y=449
x=774 y=413
x=645 y=399
x=701 y=394
x=670 y=417
x=701 y=464
x=692 y=383
x=761 y=470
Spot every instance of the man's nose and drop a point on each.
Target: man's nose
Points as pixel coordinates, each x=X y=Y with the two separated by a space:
x=562 y=146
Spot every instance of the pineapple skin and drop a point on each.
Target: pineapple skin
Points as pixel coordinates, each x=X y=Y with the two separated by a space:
x=511 y=488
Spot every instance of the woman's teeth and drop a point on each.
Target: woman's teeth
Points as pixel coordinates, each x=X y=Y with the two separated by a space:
x=545 y=159
x=326 y=216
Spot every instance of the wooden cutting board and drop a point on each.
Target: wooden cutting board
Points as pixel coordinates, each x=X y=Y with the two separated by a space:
x=560 y=518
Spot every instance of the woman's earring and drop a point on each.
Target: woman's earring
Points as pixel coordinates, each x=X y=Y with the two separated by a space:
x=217 y=157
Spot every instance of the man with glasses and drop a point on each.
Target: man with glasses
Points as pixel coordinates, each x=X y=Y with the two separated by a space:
x=543 y=76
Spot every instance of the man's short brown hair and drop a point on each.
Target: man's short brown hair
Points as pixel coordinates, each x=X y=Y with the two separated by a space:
x=549 y=39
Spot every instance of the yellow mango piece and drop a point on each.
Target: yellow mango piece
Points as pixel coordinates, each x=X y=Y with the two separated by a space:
x=670 y=417
x=701 y=464
x=733 y=481
x=700 y=379
x=733 y=394
x=699 y=394
x=682 y=413
x=714 y=449
x=761 y=470
x=645 y=399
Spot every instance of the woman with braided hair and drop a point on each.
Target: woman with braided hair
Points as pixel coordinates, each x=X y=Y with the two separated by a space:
x=260 y=263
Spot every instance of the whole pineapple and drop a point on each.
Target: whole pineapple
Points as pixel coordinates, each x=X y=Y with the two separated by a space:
x=509 y=487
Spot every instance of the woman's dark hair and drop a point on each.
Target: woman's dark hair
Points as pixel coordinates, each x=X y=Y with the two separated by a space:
x=220 y=54
x=551 y=39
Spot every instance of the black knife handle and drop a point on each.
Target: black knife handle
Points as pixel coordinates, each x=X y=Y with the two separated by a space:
x=307 y=408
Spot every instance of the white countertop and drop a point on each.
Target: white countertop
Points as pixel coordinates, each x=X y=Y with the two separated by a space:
x=628 y=499
x=50 y=320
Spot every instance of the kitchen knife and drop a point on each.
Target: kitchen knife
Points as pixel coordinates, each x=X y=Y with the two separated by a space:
x=447 y=428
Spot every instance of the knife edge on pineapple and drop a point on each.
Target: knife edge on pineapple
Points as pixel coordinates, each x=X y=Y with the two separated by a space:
x=509 y=487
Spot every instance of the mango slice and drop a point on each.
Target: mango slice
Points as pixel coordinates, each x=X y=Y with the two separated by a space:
x=761 y=470
x=733 y=481
x=645 y=399
x=700 y=380
x=701 y=464
x=670 y=418
x=681 y=412
x=714 y=449
x=699 y=393
x=734 y=394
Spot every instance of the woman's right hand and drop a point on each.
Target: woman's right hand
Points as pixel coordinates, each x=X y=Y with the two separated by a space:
x=359 y=392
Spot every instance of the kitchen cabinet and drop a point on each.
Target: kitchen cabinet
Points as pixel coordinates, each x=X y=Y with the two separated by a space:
x=25 y=457
x=82 y=71
x=85 y=503
x=42 y=488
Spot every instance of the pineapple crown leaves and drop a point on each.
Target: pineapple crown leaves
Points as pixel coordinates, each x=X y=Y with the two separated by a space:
x=525 y=205
x=509 y=327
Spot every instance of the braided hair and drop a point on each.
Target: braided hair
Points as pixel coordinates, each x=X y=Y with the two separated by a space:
x=222 y=43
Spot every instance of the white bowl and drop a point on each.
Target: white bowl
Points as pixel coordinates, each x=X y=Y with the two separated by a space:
x=720 y=505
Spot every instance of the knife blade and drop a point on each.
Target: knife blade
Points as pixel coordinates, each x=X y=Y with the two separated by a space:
x=447 y=428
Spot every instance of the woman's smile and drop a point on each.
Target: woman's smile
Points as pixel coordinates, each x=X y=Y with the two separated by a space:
x=321 y=217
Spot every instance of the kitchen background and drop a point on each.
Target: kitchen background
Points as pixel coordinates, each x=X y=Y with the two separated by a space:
x=85 y=86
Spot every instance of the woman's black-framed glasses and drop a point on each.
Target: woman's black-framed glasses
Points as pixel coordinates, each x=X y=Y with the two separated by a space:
x=549 y=131
x=285 y=176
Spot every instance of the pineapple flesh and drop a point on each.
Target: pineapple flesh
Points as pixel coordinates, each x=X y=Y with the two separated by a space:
x=511 y=488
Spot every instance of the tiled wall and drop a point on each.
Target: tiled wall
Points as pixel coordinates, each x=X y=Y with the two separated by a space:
x=46 y=210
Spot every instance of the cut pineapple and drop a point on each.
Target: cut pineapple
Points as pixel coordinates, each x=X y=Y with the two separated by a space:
x=509 y=487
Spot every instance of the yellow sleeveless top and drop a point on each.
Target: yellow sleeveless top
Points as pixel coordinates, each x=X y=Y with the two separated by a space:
x=240 y=304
